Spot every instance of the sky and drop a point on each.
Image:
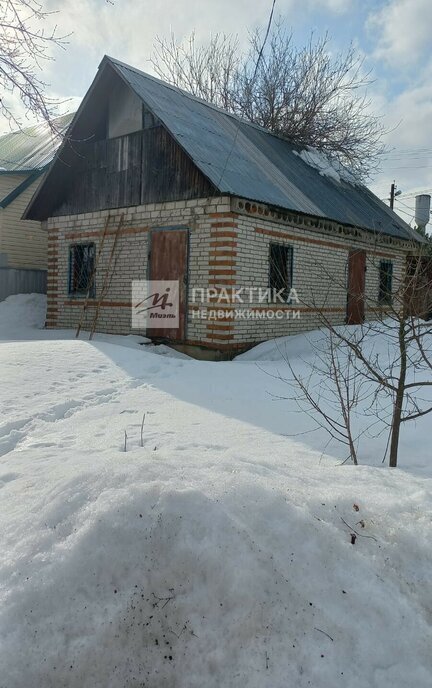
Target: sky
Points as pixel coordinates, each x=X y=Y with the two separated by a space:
x=393 y=37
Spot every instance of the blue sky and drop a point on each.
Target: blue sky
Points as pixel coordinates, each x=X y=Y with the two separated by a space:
x=394 y=38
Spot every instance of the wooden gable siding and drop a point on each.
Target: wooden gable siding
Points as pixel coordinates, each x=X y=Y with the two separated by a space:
x=168 y=174
x=144 y=167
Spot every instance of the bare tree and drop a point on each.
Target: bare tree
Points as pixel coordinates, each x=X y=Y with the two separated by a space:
x=328 y=389
x=310 y=95
x=391 y=353
x=25 y=44
x=209 y=72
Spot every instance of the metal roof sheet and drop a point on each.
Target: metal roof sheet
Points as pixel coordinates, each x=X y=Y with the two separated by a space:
x=245 y=160
x=31 y=148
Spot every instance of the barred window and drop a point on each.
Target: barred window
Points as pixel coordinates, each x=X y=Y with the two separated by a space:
x=385 y=282
x=81 y=268
x=281 y=268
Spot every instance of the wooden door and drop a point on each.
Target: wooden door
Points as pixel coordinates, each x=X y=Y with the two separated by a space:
x=169 y=261
x=356 y=287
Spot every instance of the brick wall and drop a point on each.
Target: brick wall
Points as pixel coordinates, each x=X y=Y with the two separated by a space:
x=239 y=257
x=229 y=248
x=131 y=258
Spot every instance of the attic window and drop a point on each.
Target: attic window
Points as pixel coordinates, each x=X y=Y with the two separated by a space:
x=81 y=269
x=122 y=153
x=148 y=119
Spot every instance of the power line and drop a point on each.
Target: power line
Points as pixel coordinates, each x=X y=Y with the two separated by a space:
x=404 y=204
x=256 y=68
x=407 y=154
x=408 y=195
x=410 y=167
x=405 y=212
x=265 y=40
x=408 y=151
x=413 y=194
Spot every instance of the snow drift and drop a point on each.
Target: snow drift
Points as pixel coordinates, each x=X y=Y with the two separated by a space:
x=128 y=579
x=20 y=312
x=217 y=554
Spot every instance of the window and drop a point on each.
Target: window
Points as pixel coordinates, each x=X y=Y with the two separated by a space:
x=281 y=268
x=148 y=119
x=385 y=282
x=81 y=268
x=122 y=145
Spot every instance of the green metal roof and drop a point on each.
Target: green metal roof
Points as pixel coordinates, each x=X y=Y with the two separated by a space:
x=32 y=148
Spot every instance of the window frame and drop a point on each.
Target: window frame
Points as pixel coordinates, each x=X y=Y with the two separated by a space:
x=289 y=265
x=81 y=293
x=385 y=288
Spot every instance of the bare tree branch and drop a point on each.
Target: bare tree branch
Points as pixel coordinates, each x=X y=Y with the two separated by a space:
x=310 y=95
x=25 y=45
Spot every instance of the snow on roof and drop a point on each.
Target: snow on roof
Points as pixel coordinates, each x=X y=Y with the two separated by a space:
x=325 y=166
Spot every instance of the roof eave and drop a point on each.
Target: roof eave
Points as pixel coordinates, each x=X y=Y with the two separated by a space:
x=61 y=148
x=412 y=235
x=7 y=200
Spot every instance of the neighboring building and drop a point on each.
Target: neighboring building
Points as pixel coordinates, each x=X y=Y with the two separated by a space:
x=24 y=156
x=214 y=202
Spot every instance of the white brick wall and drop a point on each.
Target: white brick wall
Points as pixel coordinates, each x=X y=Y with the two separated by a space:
x=229 y=248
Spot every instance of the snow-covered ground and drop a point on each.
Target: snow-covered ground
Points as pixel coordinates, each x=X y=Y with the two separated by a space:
x=218 y=554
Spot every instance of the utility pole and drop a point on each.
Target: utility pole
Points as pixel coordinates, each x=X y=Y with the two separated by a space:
x=394 y=191
x=392 y=195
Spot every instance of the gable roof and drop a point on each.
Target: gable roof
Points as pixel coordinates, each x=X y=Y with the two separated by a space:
x=32 y=148
x=245 y=160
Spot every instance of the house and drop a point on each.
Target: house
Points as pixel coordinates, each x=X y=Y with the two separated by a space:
x=24 y=156
x=152 y=183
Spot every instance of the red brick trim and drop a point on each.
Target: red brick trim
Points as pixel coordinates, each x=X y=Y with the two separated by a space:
x=223 y=253
x=322 y=242
x=222 y=235
x=92 y=303
x=305 y=240
x=227 y=325
x=223 y=244
x=225 y=214
x=221 y=271
x=216 y=225
x=224 y=262
x=222 y=281
x=99 y=232
x=215 y=336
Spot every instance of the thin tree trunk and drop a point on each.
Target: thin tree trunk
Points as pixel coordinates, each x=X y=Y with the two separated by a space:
x=400 y=392
x=353 y=451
